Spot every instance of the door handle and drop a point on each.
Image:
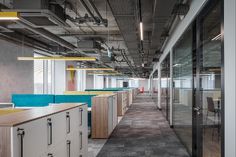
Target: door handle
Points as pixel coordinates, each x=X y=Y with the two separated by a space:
x=21 y=133
x=81 y=140
x=50 y=155
x=198 y=110
x=68 y=122
x=68 y=142
x=81 y=116
x=49 y=124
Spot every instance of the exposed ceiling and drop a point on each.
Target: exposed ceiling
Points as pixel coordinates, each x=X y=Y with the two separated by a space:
x=91 y=27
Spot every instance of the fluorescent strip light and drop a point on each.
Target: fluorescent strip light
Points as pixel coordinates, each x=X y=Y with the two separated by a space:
x=141 y=31
x=58 y=58
x=105 y=73
x=9 y=16
x=90 y=69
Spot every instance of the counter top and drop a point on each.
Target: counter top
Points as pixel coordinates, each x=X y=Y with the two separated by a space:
x=17 y=118
x=106 y=95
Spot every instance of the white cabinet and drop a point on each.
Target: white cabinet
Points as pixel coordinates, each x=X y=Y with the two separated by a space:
x=30 y=135
x=83 y=132
x=62 y=133
x=115 y=118
x=83 y=117
x=83 y=144
x=110 y=115
x=57 y=130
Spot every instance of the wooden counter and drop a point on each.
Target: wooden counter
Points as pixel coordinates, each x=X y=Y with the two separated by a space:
x=21 y=117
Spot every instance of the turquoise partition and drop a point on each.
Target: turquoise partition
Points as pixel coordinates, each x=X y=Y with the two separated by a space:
x=32 y=100
x=74 y=99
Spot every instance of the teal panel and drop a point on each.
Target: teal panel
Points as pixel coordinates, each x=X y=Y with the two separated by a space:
x=74 y=99
x=32 y=100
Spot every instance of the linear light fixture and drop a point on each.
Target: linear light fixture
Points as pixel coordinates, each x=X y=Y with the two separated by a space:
x=141 y=30
x=58 y=58
x=90 y=69
x=105 y=73
x=140 y=20
x=9 y=16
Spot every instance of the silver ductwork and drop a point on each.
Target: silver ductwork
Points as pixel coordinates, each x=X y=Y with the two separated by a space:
x=40 y=13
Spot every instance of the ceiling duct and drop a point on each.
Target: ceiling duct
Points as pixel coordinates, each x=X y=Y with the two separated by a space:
x=40 y=13
x=98 y=20
x=88 y=45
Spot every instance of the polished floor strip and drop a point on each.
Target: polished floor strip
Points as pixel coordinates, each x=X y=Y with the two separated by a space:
x=143 y=132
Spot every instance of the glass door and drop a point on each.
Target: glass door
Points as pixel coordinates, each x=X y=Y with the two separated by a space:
x=165 y=87
x=208 y=78
x=182 y=88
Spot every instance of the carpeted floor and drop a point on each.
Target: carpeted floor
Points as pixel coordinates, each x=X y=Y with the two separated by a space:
x=143 y=132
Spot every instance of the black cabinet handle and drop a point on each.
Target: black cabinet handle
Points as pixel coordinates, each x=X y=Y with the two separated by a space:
x=81 y=140
x=50 y=155
x=81 y=116
x=21 y=133
x=49 y=129
x=67 y=122
x=68 y=142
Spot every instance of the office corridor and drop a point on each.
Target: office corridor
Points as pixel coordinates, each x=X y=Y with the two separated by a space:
x=143 y=132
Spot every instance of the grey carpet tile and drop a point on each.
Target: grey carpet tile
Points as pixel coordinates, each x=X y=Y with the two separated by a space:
x=143 y=132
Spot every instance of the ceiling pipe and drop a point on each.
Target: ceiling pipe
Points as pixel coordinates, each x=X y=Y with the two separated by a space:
x=28 y=42
x=172 y=22
x=104 y=21
x=89 y=11
x=48 y=35
x=128 y=62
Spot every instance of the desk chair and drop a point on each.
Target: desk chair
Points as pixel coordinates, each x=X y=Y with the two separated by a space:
x=211 y=109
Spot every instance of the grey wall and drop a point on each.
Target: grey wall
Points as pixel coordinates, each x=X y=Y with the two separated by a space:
x=15 y=76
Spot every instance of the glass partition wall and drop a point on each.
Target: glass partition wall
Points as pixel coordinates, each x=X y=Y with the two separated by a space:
x=155 y=87
x=209 y=65
x=198 y=106
x=165 y=87
x=183 y=89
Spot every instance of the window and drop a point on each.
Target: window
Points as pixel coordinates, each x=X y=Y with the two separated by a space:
x=49 y=76
x=134 y=83
x=38 y=75
x=81 y=80
x=43 y=72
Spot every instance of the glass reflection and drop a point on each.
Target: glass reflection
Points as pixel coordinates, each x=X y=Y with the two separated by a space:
x=210 y=82
x=165 y=87
x=182 y=89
